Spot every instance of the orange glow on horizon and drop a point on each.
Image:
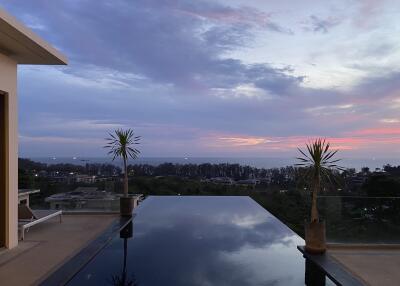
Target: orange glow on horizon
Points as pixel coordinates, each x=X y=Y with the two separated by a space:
x=360 y=139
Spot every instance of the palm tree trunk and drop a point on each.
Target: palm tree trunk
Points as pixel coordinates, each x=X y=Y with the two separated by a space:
x=125 y=179
x=314 y=209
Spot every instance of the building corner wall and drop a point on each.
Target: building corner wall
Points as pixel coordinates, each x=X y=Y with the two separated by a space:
x=8 y=84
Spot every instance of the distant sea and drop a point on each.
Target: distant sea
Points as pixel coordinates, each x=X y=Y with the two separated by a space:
x=261 y=162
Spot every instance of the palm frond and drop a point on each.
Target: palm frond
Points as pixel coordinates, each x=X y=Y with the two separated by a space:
x=319 y=159
x=121 y=144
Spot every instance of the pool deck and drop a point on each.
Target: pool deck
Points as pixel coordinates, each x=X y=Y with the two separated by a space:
x=373 y=264
x=360 y=264
x=49 y=245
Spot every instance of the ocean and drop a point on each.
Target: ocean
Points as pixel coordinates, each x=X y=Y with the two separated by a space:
x=261 y=162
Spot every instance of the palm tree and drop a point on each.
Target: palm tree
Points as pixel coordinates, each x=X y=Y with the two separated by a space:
x=122 y=144
x=320 y=162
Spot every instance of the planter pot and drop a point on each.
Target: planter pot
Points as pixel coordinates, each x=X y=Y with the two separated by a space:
x=126 y=206
x=315 y=237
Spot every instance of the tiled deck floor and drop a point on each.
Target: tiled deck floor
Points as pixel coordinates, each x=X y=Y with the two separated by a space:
x=373 y=264
x=47 y=246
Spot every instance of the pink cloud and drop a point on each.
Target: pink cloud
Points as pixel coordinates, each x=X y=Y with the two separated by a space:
x=377 y=131
x=364 y=139
x=367 y=12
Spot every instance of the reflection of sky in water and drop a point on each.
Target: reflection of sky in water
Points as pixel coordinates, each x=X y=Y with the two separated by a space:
x=202 y=241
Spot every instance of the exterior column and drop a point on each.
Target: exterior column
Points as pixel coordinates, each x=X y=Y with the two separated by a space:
x=8 y=84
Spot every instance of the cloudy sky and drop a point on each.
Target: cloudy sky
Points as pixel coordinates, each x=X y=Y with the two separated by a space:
x=213 y=78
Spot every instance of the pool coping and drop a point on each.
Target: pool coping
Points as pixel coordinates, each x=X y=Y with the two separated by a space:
x=332 y=268
x=68 y=270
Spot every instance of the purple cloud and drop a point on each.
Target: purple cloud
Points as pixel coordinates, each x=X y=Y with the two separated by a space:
x=169 y=69
x=319 y=25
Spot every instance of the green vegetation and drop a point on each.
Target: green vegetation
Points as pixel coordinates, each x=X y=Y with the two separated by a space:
x=354 y=216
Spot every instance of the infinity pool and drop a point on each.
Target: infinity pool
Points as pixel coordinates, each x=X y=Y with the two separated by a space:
x=178 y=240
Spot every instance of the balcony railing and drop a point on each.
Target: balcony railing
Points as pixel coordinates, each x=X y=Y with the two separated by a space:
x=357 y=219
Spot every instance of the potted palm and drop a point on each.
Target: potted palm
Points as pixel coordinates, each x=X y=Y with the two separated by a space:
x=121 y=144
x=320 y=162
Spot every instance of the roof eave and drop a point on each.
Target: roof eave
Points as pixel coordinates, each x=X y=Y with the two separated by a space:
x=24 y=46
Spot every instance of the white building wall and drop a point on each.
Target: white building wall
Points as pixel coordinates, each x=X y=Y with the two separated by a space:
x=8 y=84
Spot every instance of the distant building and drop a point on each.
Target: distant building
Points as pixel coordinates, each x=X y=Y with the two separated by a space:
x=222 y=180
x=60 y=179
x=87 y=198
x=85 y=179
x=23 y=195
x=248 y=182
x=266 y=180
x=86 y=190
x=379 y=171
x=357 y=180
x=84 y=198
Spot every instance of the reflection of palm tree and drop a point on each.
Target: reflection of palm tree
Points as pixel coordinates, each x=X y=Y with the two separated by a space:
x=121 y=280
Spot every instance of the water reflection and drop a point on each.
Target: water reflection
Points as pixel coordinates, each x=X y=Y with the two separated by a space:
x=122 y=279
x=201 y=241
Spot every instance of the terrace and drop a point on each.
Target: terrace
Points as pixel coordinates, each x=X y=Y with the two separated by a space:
x=207 y=238
x=373 y=264
x=48 y=245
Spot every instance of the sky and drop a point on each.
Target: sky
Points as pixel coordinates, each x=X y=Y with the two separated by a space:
x=213 y=78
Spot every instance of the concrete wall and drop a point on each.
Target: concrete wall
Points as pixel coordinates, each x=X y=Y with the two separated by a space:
x=3 y=98
x=8 y=84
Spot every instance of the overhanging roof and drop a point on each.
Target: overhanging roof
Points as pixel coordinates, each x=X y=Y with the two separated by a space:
x=24 y=46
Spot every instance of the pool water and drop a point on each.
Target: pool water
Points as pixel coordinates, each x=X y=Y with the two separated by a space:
x=219 y=240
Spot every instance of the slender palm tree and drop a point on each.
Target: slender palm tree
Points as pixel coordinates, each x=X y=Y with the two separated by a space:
x=320 y=162
x=122 y=144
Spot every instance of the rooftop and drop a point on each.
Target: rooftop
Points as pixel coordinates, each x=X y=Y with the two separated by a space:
x=22 y=192
x=24 y=46
x=83 y=193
